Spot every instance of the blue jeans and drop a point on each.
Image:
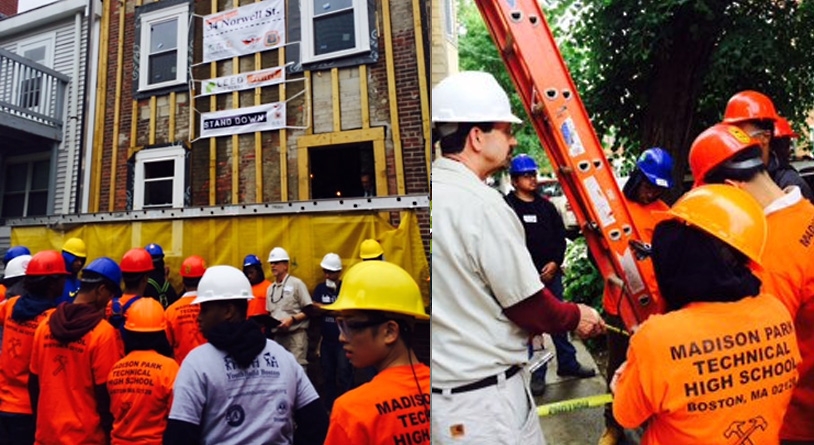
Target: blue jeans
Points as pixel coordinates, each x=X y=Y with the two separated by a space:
x=566 y=353
x=337 y=371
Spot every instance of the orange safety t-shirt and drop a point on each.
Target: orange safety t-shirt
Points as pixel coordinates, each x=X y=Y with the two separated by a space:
x=3 y=289
x=710 y=373
x=645 y=219
x=66 y=412
x=15 y=358
x=140 y=387
x=387 y=410
x=182 y=326
x=257 y=306
x=788 y=263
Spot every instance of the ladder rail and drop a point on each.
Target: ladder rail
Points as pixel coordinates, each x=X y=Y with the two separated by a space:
x=538 y=71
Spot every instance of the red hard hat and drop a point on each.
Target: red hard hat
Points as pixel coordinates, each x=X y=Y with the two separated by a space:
x=193 y=267
x=749 y=106
x=782 y=129
x=137 y=260
x=47 y=262
x=715 y=145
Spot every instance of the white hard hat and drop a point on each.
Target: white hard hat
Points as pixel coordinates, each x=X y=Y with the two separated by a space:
x=471 y=96
x=17 y=266
x=331 y=262
x=223 y=283
x=278 y=254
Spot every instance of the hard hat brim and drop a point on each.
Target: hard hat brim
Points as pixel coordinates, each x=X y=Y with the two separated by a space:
x=204 y=298
x=340 y=306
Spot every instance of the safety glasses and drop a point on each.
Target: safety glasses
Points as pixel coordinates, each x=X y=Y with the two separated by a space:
x=349 y=327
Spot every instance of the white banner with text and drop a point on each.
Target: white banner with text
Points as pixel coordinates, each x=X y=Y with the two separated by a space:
x=245 y=30
x=264 y=117
x=243 y=81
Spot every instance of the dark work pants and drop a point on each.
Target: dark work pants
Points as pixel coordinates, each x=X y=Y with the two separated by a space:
x=617 y=354
x=337 y=371
x=17 y=429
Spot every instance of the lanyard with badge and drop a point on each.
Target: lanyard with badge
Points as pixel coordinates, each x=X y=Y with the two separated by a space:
x=274 y=287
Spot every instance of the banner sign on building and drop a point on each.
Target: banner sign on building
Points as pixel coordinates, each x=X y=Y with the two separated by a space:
x=245 y=30
x=243 y=81
x=264 y=117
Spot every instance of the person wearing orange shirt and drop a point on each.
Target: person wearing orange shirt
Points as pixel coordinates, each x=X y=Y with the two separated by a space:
x=140 y=384
x=721 y=364
x=182 y=317
x=377 y=307
x=253 y=269
x=74 y=350
x=725 y=154
x=136 y=264
x=10 y=254
x=651 y=178
x=19 y=317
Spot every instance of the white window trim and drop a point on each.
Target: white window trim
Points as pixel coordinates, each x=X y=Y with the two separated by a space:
x=176 y=154
x=361 y=30
x=449 y=15
x=48 y=40
x=181 y=12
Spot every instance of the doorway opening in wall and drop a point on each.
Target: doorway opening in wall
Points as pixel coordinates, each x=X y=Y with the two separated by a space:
x=342 y=171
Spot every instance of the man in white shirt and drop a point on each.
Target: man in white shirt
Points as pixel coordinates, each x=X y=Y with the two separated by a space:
x=487 y=294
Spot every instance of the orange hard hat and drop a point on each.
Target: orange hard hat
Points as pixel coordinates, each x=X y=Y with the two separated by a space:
x=727 y=213
x=146 y=315
x=782 y=129
x=137 y=260
x=47 y=262
x=193 y=267
x=714 y=146
x=749 y=106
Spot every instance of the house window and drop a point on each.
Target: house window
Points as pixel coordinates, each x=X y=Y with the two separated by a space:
x=25 y=188
x=159 y=178
x=29 y=81
x=163 y=47
x=333 y=29
x=339 y=171
x=449 y=19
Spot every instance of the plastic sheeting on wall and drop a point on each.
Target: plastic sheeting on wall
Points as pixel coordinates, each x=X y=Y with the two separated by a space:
x=227 y=240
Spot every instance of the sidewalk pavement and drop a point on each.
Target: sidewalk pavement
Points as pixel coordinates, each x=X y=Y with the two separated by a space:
x=581 y=427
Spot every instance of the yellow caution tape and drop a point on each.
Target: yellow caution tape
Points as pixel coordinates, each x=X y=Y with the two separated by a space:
x=617 y=330
x=574 y=404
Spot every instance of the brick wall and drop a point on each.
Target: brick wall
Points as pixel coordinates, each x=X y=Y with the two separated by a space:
x=8 y=7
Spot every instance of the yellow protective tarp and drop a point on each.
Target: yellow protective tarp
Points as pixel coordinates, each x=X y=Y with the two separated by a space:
x=227 y=240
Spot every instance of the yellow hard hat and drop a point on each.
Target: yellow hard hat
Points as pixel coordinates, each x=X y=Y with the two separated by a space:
x=370 y=249
x=379 y=286
x=75 y=247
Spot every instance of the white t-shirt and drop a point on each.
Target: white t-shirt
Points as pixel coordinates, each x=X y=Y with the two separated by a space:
x=286 y=299
x=480 y=265
x=233 y=405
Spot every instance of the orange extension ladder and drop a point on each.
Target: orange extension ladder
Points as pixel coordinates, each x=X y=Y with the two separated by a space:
x=530 y=53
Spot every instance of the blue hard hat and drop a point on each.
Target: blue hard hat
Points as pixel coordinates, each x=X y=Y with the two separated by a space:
x=522 y=163
x=657 y=166
x=252 y=260
x=155 y=250
x=14 y=252
x=105 y=267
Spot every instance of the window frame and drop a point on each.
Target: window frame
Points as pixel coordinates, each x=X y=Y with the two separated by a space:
x=179 y=12
x=174 y=153
x=361 y=33
x=28 y=161
x=47 y=41
x=449 y=20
